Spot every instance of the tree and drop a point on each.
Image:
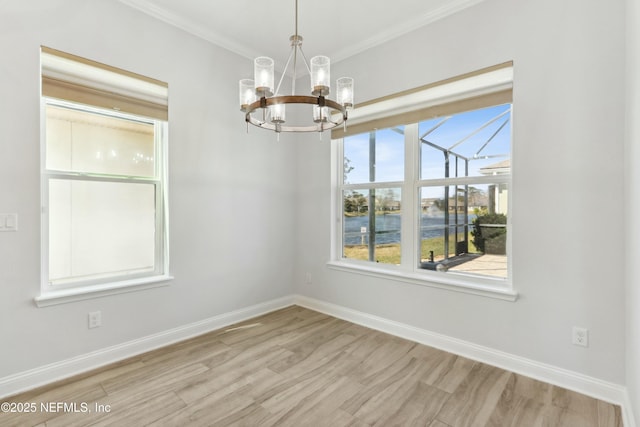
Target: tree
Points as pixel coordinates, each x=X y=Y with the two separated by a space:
x=354 y=202
x=387 y=201
x=477 y=197
x=347 y=168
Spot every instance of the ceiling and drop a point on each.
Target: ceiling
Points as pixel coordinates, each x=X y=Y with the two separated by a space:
x=335 y=28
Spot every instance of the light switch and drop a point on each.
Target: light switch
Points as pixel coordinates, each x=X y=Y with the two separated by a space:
x=9 y=222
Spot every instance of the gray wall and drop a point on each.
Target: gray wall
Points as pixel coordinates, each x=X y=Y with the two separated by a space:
x=632 y=205
x=568 y=237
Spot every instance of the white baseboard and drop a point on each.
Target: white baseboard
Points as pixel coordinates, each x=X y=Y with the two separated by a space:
x=37 y=377
x=609 y=392
x=627 y=411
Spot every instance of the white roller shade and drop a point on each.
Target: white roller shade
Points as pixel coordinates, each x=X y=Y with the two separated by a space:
x=471 y=91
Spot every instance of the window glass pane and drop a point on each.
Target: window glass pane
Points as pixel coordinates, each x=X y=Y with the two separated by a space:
x=100 y=229
x=463 y=229
x=472 y=143
x=81 y=141
x=376 y=156
x=371 y=225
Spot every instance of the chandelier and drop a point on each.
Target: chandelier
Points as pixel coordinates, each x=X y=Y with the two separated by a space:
x=265 y=107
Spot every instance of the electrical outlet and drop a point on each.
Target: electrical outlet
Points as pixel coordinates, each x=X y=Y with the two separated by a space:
x=95 y=319
x=307 y=278
x=580 y=336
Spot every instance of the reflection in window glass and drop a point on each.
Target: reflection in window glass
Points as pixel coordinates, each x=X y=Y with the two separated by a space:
x=82 y=141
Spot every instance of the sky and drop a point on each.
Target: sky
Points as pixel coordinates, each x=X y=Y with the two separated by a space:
x=390 y=146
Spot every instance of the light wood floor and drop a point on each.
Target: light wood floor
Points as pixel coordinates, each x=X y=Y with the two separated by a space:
x=297 y=367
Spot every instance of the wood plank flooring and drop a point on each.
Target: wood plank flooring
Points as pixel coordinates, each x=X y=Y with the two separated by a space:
x=297 y=367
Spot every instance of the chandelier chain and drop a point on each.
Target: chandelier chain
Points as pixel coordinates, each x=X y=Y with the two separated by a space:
x=296 y=33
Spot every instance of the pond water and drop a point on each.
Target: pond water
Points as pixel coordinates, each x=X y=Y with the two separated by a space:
x=388 y=228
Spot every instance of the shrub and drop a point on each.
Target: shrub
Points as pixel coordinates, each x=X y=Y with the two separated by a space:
x=490 y=240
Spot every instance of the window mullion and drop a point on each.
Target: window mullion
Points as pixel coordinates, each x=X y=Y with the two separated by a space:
x=72 y=176
x=408 y=239
x=374 y=185
x=466 y=180
x=337 y=211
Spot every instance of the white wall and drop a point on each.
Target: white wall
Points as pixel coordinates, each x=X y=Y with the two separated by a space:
x=632 y=205
x=568 y=234
x=231 y=197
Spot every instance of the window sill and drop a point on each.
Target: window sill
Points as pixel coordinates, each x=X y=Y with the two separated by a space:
x=434 y=280
x=63 y=296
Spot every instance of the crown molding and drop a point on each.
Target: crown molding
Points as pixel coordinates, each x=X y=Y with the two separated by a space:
x=392 y=32
x=148 y=8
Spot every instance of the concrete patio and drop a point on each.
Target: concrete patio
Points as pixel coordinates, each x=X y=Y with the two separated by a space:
x=488 y=265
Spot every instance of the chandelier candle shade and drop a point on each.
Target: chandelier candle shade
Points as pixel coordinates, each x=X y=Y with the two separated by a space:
x=277 y=113
x=320 y=73
x=265 y=107
x=247 y=93
x=345 y=91
x=263 y=74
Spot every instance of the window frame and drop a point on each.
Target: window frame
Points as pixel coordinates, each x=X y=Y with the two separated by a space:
x=84 y=85
x=408 y=270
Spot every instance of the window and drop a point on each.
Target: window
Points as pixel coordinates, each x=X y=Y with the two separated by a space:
x=372 y=195
x=423 y=185
x=103 y=178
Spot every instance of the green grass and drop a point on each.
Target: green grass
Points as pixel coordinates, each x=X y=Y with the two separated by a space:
x=390 y=254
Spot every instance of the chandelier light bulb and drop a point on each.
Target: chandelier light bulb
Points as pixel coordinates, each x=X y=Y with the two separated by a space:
x=278 y=113
x=247 y=93
x=263 y=75
x=345 y=92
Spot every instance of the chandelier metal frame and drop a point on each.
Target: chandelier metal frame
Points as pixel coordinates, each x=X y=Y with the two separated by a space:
x=327 y=113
